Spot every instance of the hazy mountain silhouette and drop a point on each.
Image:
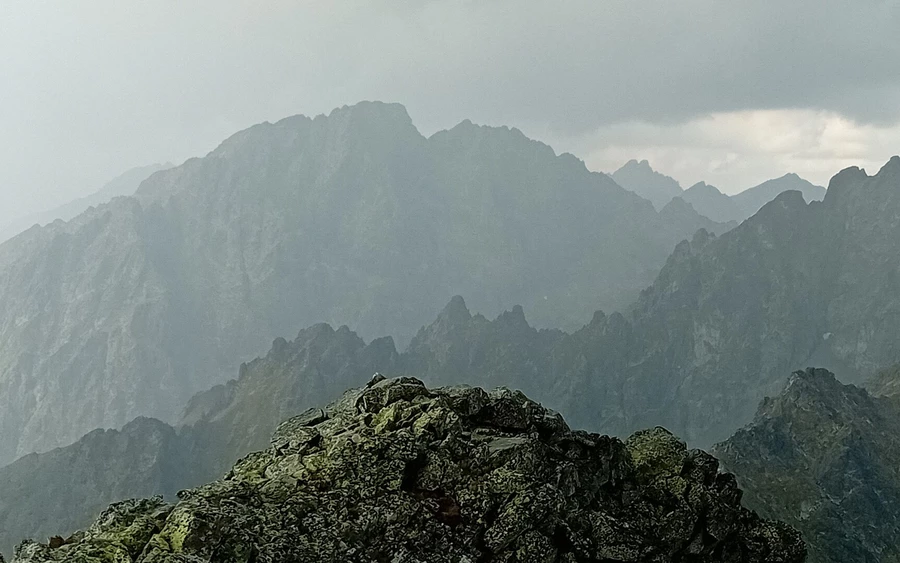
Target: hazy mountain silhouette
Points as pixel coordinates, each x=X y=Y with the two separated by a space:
x=123 y=185
x=707 y=200
x=352 y=218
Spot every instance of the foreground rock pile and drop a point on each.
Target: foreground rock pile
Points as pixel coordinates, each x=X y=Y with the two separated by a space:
x=399 y=473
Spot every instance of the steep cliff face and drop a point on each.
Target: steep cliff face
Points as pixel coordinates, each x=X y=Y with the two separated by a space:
x=823 y=457
x=353 y=218
x=725 y=320
x=399 y=472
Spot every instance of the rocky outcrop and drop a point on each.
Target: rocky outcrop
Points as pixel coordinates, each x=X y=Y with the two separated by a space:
x=399 y=472
x=824 y=458
x=352 y=218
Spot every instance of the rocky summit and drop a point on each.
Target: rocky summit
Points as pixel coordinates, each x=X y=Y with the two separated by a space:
x=824 y=457
x=397 y=472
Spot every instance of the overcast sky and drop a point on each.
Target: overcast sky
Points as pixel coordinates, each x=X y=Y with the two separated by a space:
x=728 y=92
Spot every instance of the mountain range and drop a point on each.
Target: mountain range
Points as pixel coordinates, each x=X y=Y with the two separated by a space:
x=137 y=304
x=723 y=325
x=125 y=184
x=707 y=200
x=352 y=218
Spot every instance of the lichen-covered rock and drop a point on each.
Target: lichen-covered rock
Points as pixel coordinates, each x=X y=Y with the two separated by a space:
x=399 y=473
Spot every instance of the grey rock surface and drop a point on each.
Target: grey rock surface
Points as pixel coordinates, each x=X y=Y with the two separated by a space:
x=399 y=472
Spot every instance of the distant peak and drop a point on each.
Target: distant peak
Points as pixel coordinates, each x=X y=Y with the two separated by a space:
x=516 y=316
x=789 y=198
x=892 y=165
x=812 y=377
x=638 y=164
x=456 y=310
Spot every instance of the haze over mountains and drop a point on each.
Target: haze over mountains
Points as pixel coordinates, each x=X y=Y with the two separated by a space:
x=353 y=218
x=723 y=325
x=145 y=305
x=707 y=200
x=123 y=185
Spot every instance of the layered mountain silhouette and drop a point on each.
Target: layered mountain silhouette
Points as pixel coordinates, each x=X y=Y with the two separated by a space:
x=352 y=218
x=651 y=185
x=725 y=322
x=125 y=184
x=707 y=200
x=62 y=490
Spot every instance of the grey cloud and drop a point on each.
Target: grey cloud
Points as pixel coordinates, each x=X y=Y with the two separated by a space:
x=93 y=88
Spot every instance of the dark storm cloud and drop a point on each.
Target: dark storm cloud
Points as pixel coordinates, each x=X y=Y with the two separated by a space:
x=91 y=88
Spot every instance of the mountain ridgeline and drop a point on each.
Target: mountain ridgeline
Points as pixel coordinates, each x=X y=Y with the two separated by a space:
x=707 y=200
x=60 y=491
x=352 y=218
x=726 y=320
x=125 y=184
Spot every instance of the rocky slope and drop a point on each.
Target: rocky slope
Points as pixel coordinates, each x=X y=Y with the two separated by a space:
x=824 y=457
x=59 y=491
x=399 y=472
x=125 y=184
x=726 y=320
x=353 y=218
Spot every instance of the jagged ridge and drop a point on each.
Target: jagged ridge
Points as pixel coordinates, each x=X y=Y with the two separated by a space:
x=398 y=472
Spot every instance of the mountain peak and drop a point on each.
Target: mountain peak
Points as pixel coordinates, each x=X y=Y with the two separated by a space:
x=891 y=167
x=640 y=178
x=822 y=456
x=455 y=311
x=444 y=466
x=638 y=165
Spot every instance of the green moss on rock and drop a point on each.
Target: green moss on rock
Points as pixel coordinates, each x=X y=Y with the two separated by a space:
x=397 y=472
